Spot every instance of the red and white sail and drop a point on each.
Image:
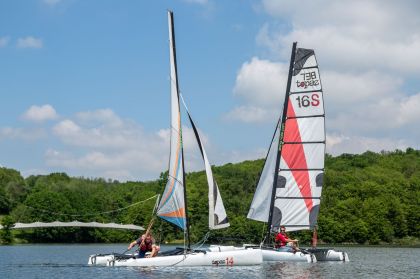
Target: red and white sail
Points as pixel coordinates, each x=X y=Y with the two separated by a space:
x=301 y=150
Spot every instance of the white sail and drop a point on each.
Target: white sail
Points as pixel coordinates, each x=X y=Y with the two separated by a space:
x=217 y=213
x=260 y=205
x=172 y=203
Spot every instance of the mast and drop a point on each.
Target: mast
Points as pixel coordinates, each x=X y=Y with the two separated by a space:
x=187 y=229
x=283 y=121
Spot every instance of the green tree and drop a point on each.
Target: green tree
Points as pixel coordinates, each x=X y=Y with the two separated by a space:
x=6 y=236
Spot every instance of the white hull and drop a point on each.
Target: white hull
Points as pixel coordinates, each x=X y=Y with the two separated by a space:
x=330 y=255
x=102 y=259
x=227 y=258
x=270 y=255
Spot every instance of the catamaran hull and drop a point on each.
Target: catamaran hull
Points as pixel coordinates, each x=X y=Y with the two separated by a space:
x=227 y=258
x=102 y=259
x=325 y=255
x=270 y=255
x=277 y=256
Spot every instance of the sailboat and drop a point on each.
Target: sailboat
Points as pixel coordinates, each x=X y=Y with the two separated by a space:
x=289 y=189
x=173 y=203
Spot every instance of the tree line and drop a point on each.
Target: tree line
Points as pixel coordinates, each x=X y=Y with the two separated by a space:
x=369 y=198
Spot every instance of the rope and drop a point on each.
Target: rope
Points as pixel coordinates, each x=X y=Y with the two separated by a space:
x=91 y=214
x=200 y=243
x=263 y=236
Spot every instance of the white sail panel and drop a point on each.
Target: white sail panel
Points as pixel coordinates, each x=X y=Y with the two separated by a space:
x=260 y=205
x=172 y=204
x=293 y=209
x=305 y=104
x=303 y=156
x=306 y=80
x=310 y=129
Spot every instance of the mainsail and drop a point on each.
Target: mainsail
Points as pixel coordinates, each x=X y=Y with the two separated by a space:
x=297 y=175
x=172 y=203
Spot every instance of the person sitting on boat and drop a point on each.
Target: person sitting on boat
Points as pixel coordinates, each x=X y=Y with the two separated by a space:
x=146 y=244
x=284 y=243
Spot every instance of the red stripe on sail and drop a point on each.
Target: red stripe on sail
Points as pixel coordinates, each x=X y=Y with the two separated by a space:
x=294 y=155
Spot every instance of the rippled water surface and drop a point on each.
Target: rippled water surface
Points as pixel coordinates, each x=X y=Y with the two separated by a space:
x=70 y=261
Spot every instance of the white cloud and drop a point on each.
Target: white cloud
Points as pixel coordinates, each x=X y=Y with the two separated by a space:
x=347 y=89
x=261 y=82
x=4 y=41
x=367 y=56
x=106 y=116
x=385 y=116
x=40 y=113
x=102 y=144
x=252 y=114
x=349 y=34
x=29 y=42
x=338 y=143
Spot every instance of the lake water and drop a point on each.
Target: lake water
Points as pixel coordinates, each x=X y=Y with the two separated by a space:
x=70 y=261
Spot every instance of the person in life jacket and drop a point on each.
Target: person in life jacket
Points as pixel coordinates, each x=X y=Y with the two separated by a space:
x=284 y=243
x=146 y=244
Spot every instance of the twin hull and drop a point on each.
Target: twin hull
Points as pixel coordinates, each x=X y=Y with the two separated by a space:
x=324 y=255
x=223 y=256
x=271 y=254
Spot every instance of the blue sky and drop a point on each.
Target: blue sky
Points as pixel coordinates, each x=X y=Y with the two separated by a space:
x=85 y=83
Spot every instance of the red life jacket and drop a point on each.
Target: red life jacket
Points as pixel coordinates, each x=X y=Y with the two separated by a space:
x=146 y=246
x=281 y=240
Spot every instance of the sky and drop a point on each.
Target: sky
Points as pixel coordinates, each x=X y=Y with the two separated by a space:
x=85 y=84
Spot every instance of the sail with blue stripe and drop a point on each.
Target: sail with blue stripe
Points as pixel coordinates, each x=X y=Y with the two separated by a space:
x=172 y=204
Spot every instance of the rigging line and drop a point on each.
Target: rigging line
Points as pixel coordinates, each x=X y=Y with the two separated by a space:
x=174 y=178
x=200 y=243
x=263 y=235
x=175 y=129
x=91 y=214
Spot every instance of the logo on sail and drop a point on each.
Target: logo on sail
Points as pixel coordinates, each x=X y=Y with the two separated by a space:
x=309 y=78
